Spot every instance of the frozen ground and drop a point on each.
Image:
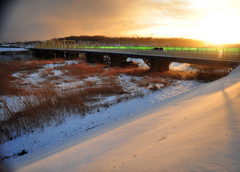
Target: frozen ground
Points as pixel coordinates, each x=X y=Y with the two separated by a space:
x=166 y=114
x=194 y=131
x=50 y=74
x=77 y=128
x=40 y=143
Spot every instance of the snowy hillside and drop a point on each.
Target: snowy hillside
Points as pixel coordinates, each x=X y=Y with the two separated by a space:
x=197 y=131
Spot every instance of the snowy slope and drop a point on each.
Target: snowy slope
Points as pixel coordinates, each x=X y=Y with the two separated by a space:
x=75 y=126
x=198 y=131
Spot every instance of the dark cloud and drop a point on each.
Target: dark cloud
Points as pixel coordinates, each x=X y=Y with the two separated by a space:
x=34 y=19
x=4 y=7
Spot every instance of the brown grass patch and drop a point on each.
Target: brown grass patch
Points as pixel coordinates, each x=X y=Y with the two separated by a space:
x=82 y=70
x=50 y=105
x=153 y=83
x=211 y=73
x=7 y=69
x=45 y=104
x=179 y=75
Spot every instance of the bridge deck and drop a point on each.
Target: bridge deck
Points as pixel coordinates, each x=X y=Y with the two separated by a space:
x=175 y=56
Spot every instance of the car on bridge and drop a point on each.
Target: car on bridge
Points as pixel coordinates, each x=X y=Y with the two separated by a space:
x=158 y=48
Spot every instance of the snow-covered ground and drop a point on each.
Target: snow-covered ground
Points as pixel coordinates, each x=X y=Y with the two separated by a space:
x=181 y=67
x=64 y=82
x=4 y=49
x=75 y=128
x=169 y=117
x=75 y=125
x=194 y=131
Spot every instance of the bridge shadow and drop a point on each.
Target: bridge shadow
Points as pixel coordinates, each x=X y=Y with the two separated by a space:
x=233 y=127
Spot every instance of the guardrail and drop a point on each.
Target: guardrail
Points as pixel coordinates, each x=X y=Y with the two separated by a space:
x=205 y=50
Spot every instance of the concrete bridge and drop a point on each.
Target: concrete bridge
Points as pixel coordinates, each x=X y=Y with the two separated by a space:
x=157 y=60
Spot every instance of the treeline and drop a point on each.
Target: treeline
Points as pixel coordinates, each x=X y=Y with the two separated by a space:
x=136 y=41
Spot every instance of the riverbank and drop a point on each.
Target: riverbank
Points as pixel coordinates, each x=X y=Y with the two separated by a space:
x=31 y=83
x=198 y=130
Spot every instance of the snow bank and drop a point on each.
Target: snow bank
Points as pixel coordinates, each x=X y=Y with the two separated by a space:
x=181 y=67
x=172 y=66
x=75 y=127
x=198 y=131
x=140 y=62
x=12 y=49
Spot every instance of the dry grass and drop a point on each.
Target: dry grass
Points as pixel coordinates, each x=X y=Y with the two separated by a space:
x=47 y=104
x=5 y=80
x=82 y=70
x=210 y=73
x=180 y=75
x=7 y=69
x=131 y=71
x=51 y=105
x=151 y=83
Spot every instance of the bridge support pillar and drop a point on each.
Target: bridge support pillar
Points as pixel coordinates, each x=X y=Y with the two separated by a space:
x=65 y=55
x=54 y=54
x=158 y=65
x=94 y=58
x=117 y=60
x=43 y=54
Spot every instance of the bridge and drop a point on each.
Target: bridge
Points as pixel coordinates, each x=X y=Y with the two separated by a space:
x=158 y=59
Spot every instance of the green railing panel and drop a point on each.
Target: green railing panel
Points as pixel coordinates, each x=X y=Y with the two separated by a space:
x=193 y=49
x=233 y=49
x=178 y=48
x=185 y=48
x=211 y=49
x=202 y=49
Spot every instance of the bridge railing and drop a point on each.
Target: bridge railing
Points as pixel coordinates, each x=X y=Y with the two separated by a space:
x=203 y=55
x=199 y=52
x=177 y=54
x=225 y=50
x=73 y=45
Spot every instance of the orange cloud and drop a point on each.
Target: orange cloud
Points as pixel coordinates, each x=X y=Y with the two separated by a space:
x=45 y=19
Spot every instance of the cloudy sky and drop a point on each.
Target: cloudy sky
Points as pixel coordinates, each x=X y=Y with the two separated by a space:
x=210 y=20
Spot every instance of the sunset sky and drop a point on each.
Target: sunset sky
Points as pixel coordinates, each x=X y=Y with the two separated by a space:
x=210 y=20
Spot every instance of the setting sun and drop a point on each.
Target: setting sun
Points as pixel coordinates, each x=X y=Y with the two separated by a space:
x=219 y=28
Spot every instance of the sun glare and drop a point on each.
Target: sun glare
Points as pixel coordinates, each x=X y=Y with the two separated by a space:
x=219 y=28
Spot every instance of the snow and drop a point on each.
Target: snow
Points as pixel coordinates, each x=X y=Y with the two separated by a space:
x=12 y=49
x=197 y=130
x=140 y=62
x=36 y=140
x=181 y=67
x=38 y=76
x=34 y=78
x=172 y=66
x=57 y=73
x=172 y=114
x=76 y=126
